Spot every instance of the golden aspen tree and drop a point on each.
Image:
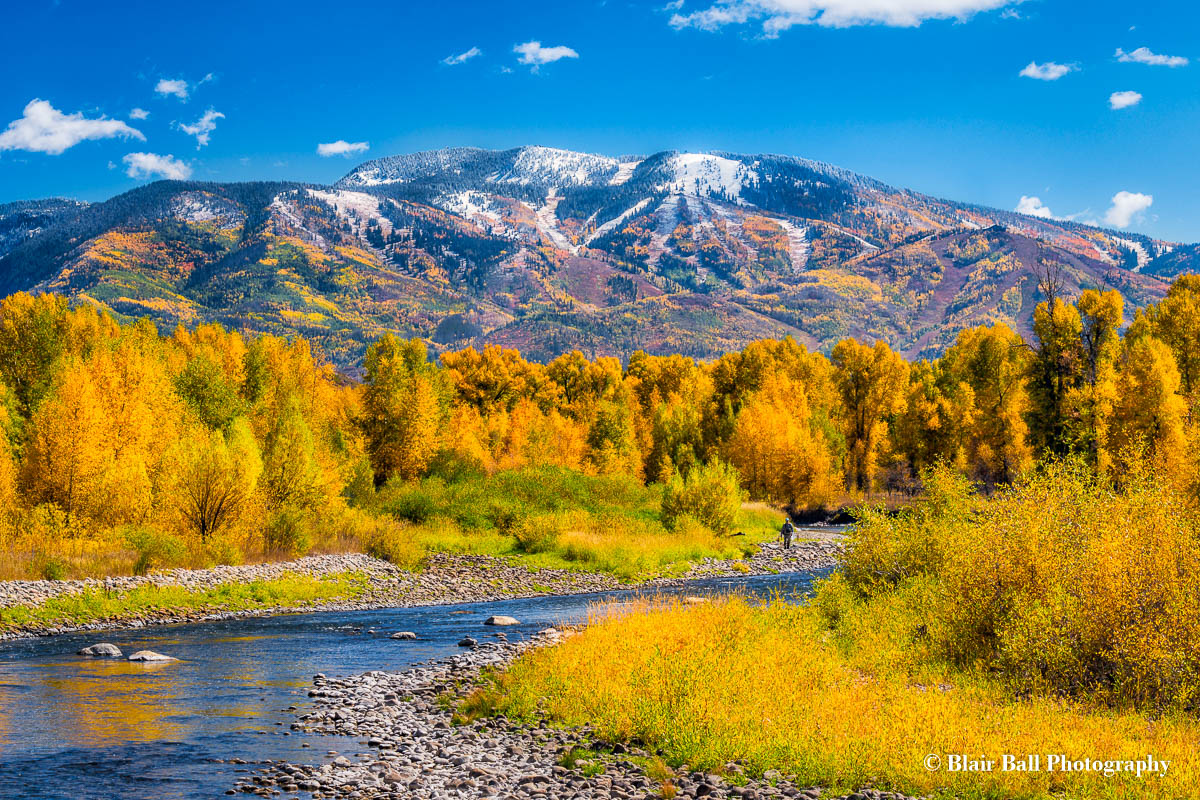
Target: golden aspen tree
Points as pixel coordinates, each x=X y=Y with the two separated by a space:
x=938 y=414
x=1148 y=413
x=1175 y=321
x=493 y=379
x=403 y=409
x=871 y=381
x=291 y=476
x=214 y=476
x=993 y=362
x=612 y=446
x=1090 y=402
x=66 y=457
x=8 y=463
x=776 y=450
x=1053 y=371
x=32 y=342
x=676 y=441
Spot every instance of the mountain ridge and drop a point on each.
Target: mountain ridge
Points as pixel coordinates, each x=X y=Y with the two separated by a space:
x=550 y=250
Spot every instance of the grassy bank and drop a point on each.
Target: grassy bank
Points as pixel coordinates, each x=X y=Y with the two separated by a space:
x=1058 y=618
x=554 y=517
x=95 y=605
x=714 y=683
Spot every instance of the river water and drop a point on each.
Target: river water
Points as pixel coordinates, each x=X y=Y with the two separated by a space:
x=77 y=728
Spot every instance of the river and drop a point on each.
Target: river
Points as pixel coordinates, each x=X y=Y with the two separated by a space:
x=77 y=728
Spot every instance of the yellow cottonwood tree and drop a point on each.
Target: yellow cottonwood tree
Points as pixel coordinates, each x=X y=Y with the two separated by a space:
x=777 y=452
x=66 y=457
x=403 y=409
x=214 y=476
x=1148 y=413
x=993 y=362
x=871 y=381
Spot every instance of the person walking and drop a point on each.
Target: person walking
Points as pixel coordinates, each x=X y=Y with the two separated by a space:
x=787 y=531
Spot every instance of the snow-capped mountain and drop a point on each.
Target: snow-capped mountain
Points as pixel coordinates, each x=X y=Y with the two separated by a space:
x=550 y=250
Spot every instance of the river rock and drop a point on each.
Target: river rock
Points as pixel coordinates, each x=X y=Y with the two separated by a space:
x=500 y=619
x=404 y=635
x=103 y=649
x=150 y=655
x=467 y=641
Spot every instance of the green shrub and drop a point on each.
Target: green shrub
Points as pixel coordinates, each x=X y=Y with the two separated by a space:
x=537 y=534
x=287 y=533
x=54 y=569
x=454 y=467
x=710 y=494
x=385 y=539
x=154 y=548
x=412 y=504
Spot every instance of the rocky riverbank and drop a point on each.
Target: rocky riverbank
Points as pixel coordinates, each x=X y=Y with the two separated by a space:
x=446 y=579
x=415 y=749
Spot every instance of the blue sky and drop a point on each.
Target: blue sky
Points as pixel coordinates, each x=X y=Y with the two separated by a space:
x=924 y=94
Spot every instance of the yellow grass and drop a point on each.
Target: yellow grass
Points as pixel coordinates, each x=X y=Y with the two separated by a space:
x=735 y=680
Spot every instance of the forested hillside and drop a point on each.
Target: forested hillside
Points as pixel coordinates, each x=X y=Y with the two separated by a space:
x=550 y=251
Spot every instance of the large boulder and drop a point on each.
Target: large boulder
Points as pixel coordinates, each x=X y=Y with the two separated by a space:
x=150 y=655
x=500 y=619
x=102 y=650
x=404 y=635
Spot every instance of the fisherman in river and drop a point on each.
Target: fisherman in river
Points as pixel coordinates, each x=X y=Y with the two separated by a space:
x=786 y=532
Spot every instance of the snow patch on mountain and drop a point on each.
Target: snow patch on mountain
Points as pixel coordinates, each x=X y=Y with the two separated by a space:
x=798 y=246
x=358 y=205
x=199 y=207
x=558 y=167
x=624 y=171
x=705 y=174
x=1143 y=257
x=615 y=221
x=474 y=206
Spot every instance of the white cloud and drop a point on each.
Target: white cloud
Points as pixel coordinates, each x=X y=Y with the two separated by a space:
x=149 y=165
x=1143 y=55
x=1034 y=207
x=341 y=148
x=178 y=87
x=674 y=5
x=202 y=128
x=45 y=129
x=139 y=113
x=1119 y=100
x=779 y=15
x=1050 y=71
x=533 y=54
x=462 y=58
x=1125 y=207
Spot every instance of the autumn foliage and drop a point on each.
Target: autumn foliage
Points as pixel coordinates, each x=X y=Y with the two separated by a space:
x=208 y=442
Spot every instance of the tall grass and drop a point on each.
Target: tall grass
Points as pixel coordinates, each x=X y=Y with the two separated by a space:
x=735 y=680
x=1062 y=585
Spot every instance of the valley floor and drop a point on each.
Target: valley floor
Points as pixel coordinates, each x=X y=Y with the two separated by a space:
x=339 y=582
